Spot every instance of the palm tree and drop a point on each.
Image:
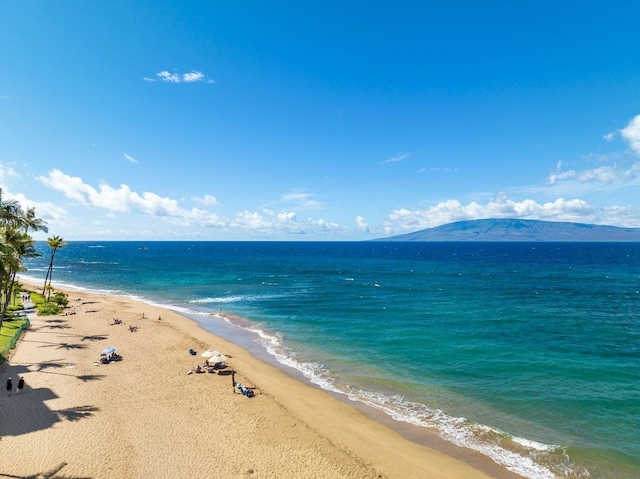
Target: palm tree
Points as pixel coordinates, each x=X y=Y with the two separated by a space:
x=31 y=222
x=15 y=244
x=20 y=245
x=10 y=216
x=9 y=263
x=10 y=210
x=55 y=242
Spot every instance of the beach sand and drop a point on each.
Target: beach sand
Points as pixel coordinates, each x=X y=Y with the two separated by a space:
x=145 y=417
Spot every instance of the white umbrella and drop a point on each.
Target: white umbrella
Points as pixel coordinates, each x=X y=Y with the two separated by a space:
x=218 y=358
x=209 y=353
x=109 y=351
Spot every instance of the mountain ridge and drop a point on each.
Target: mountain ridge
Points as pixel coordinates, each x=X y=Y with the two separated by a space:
x=508 y=229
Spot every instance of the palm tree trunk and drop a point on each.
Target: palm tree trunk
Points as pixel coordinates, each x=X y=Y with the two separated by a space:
x=2 y=291
x=11 y=278
x=49 y=273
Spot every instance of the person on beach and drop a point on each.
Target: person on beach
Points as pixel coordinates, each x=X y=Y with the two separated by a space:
x=9 y=386
x=20 y=385
x=159 y=318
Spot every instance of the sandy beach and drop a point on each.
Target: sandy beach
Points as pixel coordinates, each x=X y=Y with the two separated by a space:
x=146 y=417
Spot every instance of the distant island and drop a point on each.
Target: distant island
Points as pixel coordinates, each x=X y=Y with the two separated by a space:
x=520 y=230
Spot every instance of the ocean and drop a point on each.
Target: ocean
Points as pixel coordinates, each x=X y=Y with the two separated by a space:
x=528 y=353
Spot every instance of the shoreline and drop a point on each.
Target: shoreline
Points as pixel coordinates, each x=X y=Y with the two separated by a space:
x=289 y=429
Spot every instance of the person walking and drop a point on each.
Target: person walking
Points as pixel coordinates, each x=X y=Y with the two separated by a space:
x=20 y=384
x=9 y=386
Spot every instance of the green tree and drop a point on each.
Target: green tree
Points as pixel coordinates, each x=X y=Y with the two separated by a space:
x=21 y=245
x=10 y=211
x=55 y=243
x=33 y=223
x=15 y=244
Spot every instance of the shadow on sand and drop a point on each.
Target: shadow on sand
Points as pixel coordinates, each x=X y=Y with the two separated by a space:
x=53 y=473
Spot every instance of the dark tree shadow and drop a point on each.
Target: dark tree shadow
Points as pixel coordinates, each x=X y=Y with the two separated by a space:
x=90 y=377
x=75 y=414
x=50 y=365
x=71 y=346
x=95 y=337
x=55 y=321
x=58 y=326
x=49 y=326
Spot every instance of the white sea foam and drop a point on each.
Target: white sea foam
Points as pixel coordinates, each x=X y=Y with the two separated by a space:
x=219 y=299
x=236 y=298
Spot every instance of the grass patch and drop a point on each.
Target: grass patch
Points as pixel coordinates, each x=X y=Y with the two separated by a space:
x=12 y=326
x=9 y=334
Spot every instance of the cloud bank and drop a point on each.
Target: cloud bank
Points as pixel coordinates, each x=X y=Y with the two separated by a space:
x=123 y=199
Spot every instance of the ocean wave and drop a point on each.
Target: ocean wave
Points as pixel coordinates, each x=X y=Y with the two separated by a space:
x=82 y=261
x=236 y=298
x=219 y=299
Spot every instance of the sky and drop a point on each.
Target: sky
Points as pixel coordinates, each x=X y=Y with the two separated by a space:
x=334 y=120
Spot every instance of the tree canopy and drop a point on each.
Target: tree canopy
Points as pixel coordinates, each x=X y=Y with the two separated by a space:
x=15 y=244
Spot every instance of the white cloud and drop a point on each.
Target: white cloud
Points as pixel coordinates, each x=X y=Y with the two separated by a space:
x=207 y=200
x=574 y=210
x=264 y=222
x=130 y=158
x=323 y=225
x=362 y=224
x=191 y=77
x=112 y=199
x=399 y=157
x=304 y=199
x=271 y=223
x=603 y=174
x=44 y=210
x=7 y=172
x=632 y=134
x=165 y=76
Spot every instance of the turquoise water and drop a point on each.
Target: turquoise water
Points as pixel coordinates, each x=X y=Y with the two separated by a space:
x=528 y=353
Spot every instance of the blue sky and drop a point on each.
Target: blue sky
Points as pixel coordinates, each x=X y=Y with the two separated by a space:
x=334 y=120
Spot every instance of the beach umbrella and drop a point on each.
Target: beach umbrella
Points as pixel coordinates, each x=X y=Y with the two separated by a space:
x=109 y=351
x=210 y=352
x=218 y=358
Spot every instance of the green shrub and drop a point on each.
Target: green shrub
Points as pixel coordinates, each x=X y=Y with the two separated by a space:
x=48 y=309
x=60 y=298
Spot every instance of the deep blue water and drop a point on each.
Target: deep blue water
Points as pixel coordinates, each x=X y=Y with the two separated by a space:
x=527 y=352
